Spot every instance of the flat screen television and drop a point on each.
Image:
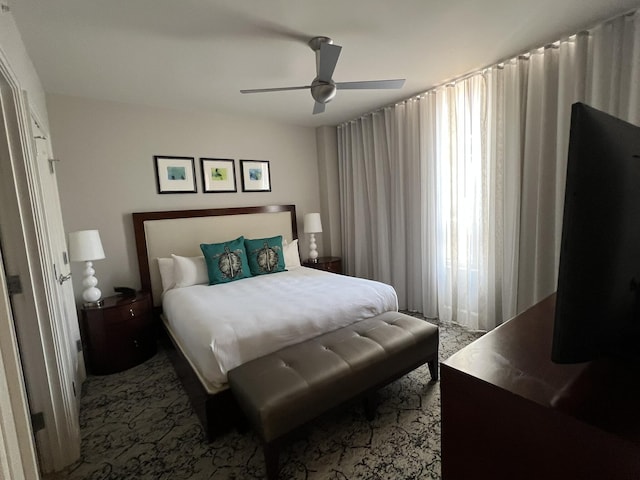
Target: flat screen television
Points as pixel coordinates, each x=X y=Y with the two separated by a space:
x=597 y=311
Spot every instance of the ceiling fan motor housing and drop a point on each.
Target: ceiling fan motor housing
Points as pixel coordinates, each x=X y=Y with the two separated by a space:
x=323 y=92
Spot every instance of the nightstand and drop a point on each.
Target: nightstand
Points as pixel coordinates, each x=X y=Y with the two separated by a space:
x=327 y=264
x=118 y=334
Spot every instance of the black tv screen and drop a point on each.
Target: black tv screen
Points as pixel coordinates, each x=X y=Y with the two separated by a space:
x=597 y=301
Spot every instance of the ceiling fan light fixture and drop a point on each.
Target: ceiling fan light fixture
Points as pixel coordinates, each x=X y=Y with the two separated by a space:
x=323 y=92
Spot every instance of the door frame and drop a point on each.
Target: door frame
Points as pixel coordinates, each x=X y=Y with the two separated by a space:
x=33 y=359
x=17 y=448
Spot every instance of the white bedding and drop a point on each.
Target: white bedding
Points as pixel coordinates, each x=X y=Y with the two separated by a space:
x=222 y=326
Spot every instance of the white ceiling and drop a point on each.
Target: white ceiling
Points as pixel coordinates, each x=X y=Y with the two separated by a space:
x=198 y=54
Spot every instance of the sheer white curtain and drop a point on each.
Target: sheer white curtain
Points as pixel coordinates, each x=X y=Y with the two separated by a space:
x=545 y=103
x=455 y=197
x=383 y=209
x=461 y=190
x=601 y=68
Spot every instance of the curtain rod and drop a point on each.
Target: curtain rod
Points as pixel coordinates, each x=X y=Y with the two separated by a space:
x=499 y=65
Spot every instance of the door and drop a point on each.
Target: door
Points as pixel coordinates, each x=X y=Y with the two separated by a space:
x=62 y=308
x=64 y=298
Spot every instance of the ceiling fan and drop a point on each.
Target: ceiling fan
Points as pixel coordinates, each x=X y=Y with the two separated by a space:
x=323 y=88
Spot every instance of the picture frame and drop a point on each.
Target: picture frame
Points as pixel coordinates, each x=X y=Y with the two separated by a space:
x=218 y=175
x=256 y=175
x=175 y=174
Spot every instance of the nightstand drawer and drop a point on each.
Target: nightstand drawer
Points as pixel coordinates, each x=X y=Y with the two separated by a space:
x=335 y=267
x=119 y=334
x=127 y=312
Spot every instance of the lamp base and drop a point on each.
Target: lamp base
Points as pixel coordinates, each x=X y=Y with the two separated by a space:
x=91 y=294
x=313 y=249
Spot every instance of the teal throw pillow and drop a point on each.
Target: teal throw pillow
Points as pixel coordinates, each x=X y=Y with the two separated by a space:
x=226 y=261
x=265 y=255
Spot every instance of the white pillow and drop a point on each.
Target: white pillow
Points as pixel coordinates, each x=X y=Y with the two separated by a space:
x=291 y=254
x=189 y=271
x=166 y=274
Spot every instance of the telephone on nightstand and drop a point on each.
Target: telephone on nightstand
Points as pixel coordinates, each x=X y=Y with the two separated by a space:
x=125 y=291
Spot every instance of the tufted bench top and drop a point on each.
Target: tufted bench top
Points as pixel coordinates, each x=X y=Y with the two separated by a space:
x=285 y=389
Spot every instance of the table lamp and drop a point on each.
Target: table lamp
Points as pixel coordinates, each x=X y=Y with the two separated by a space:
x=312 y=225
x=85 y=246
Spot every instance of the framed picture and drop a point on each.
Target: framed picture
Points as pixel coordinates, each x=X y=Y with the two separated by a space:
x=218 y=175
x=175 y=174
x=256 y=176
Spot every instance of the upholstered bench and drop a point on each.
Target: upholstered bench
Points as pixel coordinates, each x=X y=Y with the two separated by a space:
x=283 y=390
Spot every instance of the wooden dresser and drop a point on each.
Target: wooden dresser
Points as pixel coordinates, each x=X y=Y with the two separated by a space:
x=509 y=412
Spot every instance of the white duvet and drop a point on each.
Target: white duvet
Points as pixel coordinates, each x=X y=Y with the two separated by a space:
x=223 y=326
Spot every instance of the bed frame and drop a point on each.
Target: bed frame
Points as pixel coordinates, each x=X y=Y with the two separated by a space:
x=159 y=234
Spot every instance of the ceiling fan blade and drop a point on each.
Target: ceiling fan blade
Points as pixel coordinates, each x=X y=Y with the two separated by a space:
x=318 y=108
x=327 y=60
x=275 y=30
x=280 y=89
x=370 y=84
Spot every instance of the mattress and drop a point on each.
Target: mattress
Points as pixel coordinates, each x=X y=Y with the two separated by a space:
x=222 y=326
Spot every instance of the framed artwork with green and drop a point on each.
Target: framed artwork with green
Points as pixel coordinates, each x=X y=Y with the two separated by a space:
x=218 y=175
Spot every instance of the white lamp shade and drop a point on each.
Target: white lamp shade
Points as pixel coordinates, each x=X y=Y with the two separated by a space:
x=85 y=245
x=312 y=223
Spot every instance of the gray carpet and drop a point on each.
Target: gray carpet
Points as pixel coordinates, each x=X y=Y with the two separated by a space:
x=138 y=424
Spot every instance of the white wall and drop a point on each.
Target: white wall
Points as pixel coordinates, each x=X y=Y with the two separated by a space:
x=106 y=169
x=20 y=63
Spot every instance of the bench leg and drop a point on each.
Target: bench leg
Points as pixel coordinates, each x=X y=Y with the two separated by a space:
x=369 y=403
x=433 y=369
x=220 y=413
x=242 y=425
x=271 y=459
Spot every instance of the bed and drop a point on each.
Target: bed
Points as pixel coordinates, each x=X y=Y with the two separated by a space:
x=216 y=328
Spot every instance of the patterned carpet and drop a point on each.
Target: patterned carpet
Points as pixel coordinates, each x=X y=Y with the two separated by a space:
x=138 y=424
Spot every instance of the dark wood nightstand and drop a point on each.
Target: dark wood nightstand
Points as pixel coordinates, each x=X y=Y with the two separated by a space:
x=328 y=264
x=118 y=334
